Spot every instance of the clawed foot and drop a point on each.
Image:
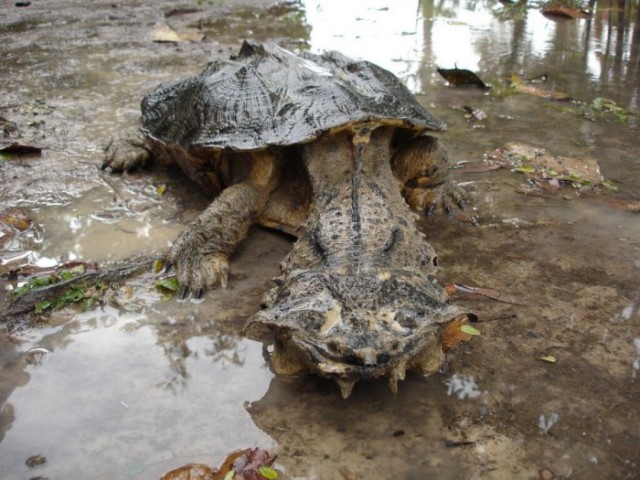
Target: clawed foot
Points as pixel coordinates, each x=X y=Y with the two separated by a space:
x=126 y=151
x=198 y=267
x=449 y=198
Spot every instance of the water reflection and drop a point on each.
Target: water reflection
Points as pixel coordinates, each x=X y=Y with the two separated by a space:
x=594 y=56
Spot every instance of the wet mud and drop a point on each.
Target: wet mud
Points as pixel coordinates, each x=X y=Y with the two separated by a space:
x=145 y=384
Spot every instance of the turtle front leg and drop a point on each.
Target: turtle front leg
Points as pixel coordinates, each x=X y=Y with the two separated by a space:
x=126 y=151
x=201 y=253
x=422 y=166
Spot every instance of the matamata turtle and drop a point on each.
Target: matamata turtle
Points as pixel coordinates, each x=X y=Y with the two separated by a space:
x=335 y=152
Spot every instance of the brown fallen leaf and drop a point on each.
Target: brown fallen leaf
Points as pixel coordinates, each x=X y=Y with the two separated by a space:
x=192 y=471
x=20 y=150
x=249 y=464
x=452 y=336
x=16 y=218
x=165 y=34
x=564 y=11
x=459 y=77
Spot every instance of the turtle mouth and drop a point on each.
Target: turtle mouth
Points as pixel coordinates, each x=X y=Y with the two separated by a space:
x=347 y=365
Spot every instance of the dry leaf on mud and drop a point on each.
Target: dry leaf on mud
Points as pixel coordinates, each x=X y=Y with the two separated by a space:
x=165 y=34
x=564 y=11
x=548 y=359
x=537 y=163
x=459 y=77
x=453 y=335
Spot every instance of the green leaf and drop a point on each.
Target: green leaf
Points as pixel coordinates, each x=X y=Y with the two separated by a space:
x=609 y=185
x=170 y=283
x=42 y=306
x=548 y=358
x=469 y=330
x=229 y=475
x=525 y=169
x=268 y=472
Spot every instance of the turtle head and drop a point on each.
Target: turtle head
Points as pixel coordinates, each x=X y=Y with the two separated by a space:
x=349 y=328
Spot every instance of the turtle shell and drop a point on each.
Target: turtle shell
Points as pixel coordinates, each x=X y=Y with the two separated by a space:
x=267 y=96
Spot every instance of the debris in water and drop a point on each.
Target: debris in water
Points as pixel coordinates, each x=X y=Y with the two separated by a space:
x=16 y=218
x=249 y=464
x=538 y=164
x=35 y=461
x=529 y=87
x=165 y=34
x=545 y=424
x=459 y=77
x=463 y=386
x=564 y=11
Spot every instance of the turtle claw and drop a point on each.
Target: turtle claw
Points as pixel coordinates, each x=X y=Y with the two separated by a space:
x=184 y=294
x=346 y=387
x=398 y=373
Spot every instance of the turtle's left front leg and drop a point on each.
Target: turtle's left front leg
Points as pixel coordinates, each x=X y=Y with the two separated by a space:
x=422 y=166
x=201 y=253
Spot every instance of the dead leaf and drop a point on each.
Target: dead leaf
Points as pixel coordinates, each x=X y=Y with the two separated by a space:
x=548 y=359
x=249 y=464
x=165 y=34
x=459 y=77
x=453 y=335
x=16 y=218
x=537 y=163
x=20 y=150
x=192 y=471
x=564 y=11
x=524 y=86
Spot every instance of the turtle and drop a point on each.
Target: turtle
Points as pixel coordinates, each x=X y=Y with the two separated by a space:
x=336 y=152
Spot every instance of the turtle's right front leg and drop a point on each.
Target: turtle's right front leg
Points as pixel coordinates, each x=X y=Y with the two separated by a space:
x=127 y=150
x=201 y=253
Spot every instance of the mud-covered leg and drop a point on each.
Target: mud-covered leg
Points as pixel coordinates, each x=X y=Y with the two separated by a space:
x=201 y=253
x=127 y=150
x=422 y=166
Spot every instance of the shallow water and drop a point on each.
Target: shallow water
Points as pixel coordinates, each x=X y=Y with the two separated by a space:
x=136 y=391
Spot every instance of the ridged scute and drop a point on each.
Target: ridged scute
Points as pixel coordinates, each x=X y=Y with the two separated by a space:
x=267 y=96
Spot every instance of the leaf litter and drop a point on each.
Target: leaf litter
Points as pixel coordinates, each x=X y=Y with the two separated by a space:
x=249 y=464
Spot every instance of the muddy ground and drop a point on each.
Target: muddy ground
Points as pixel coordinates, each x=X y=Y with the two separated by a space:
x=136 y=390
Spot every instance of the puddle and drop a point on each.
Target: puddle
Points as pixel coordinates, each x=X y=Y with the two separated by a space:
x=132 y=394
